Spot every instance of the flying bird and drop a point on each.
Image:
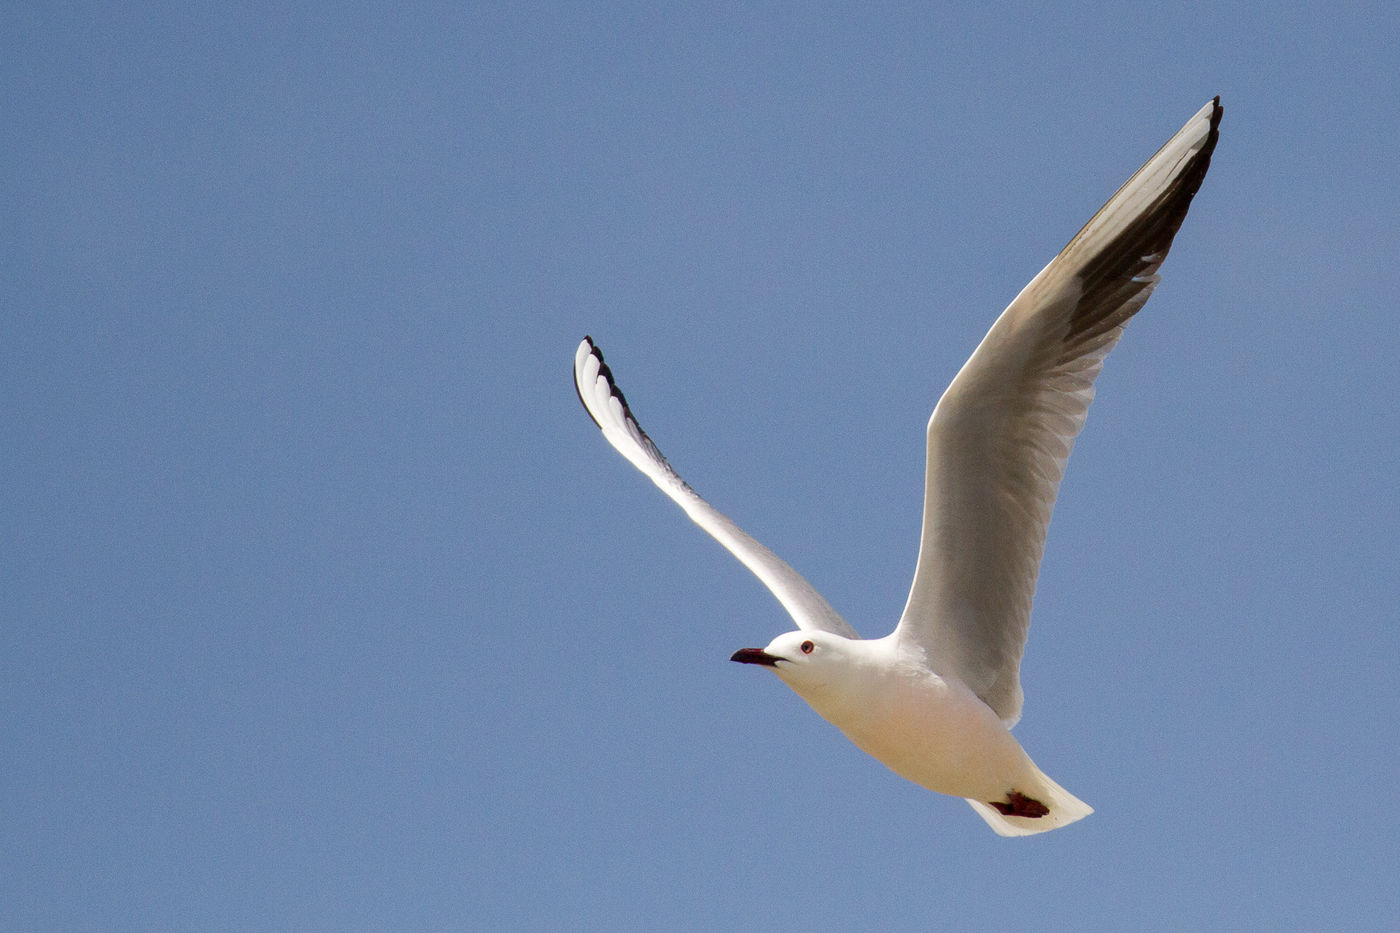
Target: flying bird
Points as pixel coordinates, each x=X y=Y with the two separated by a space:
x=935 y=700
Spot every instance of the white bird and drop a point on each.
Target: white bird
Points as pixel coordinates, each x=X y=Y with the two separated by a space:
x=935 y=699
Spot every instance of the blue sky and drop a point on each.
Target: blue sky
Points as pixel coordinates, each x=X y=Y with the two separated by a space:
x=326 y=607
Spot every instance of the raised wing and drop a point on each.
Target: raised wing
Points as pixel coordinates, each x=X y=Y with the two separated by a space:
x=1001 y=434
x=607 y=406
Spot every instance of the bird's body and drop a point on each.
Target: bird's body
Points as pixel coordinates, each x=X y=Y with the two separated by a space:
x=929 y=729
x=935 y=699
x=883 y=694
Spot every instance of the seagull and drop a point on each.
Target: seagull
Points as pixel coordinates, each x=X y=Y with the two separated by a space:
x=935 y=700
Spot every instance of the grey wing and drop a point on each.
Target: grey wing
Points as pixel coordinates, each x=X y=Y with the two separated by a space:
x=608 y=408
x=1001 y=434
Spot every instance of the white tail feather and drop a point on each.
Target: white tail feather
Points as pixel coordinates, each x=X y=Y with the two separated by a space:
x=1065 y=808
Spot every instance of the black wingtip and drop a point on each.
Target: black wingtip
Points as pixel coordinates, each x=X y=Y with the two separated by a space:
x=606 y=373
x=1114 y=272
x=578 y=389
x=1197 y=173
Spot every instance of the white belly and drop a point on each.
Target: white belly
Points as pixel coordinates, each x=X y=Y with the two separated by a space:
x=936 y=734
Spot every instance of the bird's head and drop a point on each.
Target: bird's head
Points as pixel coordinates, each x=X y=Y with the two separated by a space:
x=806 y=661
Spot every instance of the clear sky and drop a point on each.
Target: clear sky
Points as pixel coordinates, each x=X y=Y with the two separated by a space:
x=324 y=605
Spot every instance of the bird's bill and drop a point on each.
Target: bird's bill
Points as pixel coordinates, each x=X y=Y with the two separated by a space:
x=755 y=656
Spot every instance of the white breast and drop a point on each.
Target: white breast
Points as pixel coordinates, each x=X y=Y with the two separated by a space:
x=931 y=731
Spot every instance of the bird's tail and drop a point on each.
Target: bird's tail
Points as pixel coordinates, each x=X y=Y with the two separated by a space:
x=1064 y=808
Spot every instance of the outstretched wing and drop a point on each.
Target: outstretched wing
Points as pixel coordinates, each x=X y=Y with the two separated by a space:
x=1002 y=432
x=607 y=407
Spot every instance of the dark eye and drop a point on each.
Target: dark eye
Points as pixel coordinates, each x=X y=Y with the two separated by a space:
x=807 y=647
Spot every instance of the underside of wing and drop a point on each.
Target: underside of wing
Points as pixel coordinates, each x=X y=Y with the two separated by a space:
x=608 y=408
x=1000 y=436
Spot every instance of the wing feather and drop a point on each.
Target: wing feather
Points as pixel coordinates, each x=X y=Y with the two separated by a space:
x=608 y=408
x=1001 y=434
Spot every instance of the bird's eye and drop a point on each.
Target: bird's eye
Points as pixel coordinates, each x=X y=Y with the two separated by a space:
x=807 y=647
